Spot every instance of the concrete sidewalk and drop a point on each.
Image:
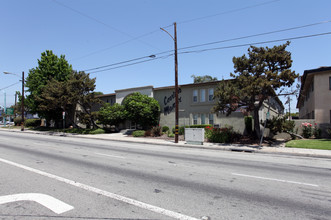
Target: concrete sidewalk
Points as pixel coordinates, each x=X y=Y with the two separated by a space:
x=275 y=149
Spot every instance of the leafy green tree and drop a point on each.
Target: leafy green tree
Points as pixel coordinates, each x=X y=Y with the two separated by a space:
x=202 y=79
x=82 y=88
x=142 y=109
x=74 y=95
x=112 y=114
x=256 y=79
x=50 y=67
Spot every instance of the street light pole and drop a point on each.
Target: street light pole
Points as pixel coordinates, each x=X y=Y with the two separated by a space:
x=5 y=111
x=22 y=126
x=176 y=80
x=22 y=104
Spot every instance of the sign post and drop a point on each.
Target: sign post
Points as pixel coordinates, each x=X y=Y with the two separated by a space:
x=63 y=117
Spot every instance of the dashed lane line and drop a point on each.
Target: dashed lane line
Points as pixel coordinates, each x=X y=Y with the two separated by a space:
x=272 y=179
x=117 y=197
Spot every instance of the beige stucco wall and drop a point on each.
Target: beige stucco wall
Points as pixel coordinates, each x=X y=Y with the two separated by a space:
x=110 y=98
x=121 y=94
x=322 y=97
x=188 y=108
x=309 y=102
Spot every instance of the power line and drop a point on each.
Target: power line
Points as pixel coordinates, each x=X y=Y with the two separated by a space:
x=107 y=25
x=228 y=12
x=114 y=64
x=262 y=42
x=10 y=85
x=152 y=32
x=215 y=42
x=116 y=45
x=256 y=35
x=166 y=56
x=208 y=49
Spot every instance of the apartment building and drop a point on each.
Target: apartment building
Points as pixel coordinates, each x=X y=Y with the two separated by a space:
x=315 y=96
x=196 y=101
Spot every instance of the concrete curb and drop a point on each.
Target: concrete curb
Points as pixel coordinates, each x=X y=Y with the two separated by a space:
x=276 y=149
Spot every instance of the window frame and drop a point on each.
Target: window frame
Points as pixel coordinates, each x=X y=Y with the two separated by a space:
x=195 y=95
x=195 y=119
x=202 y=95
x=211 y=94
x=211 y=119
x=203 y=119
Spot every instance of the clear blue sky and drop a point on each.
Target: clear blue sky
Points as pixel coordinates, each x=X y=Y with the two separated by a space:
x=93 y=33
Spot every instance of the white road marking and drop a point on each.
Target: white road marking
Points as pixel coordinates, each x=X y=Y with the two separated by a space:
x=278 y=180
x=49 y=202
x=109 y=155
x=137 y=203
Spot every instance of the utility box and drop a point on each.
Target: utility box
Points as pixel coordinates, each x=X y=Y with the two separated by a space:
x=195 y=136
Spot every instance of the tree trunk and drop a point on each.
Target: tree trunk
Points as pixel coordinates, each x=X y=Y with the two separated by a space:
x=257 y=129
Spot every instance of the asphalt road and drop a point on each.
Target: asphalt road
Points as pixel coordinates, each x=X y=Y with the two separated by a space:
x=117 y=180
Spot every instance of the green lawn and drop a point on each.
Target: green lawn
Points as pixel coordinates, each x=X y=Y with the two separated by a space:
x=323 y=144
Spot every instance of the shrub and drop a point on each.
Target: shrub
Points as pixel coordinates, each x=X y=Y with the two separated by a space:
x=18 y=121
x=181 y=130
x=32 y=122
x=148 y=133
x=288 y=126
x=317 y=132
x=277 y=125
x=97 y=131
x=165 y=128
x=138 y=133
x=200 y=126
x=222 y=135
x=170 y=134
x=249 y=124
x=156 y=131
x=307 y=130
x=328 y=131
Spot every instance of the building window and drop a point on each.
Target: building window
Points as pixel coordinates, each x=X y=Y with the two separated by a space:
x=202 y=95
x=203 y=119
x=195 y=95
x=313 y=115
x=330 y=116
x=211 y=94
x=195 y=119
x=211 y=119
x=330 y=83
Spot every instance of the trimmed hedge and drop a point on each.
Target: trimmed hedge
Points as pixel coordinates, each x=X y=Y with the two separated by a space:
x=32 y=122
x=165 y=128
x=181 y=129
x=97 y=131
x=138 y=133
x=18 y=121
x=200 y=126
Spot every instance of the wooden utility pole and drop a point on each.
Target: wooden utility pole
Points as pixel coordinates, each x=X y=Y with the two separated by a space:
x=176 y=83
x=176 y=80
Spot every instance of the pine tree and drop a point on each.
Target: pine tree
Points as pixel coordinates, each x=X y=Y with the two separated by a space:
x=255 y=79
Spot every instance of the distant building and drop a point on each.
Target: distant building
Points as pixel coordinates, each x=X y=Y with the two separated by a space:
x=195 y=105
x=315 y=96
